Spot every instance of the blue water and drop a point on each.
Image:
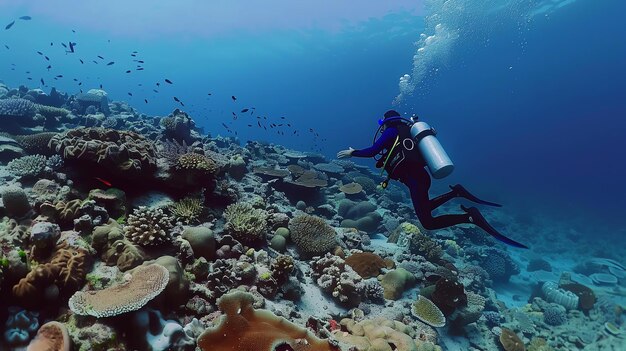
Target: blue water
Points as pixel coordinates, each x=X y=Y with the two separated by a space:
x=532 y=109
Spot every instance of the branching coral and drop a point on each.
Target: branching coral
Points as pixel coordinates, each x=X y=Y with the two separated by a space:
x=246 y=329
x=246 y=223
x=148 y=226
x=338 y=279
x=139 y=288
x=312 y=235
x=196 y=162
x=423 y=245
x=188 y=210
x=30 y=166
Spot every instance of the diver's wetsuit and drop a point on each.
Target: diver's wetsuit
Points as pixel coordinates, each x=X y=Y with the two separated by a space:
x=417 y=179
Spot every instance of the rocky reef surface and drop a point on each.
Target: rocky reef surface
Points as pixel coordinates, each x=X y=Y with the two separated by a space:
x=122 y=231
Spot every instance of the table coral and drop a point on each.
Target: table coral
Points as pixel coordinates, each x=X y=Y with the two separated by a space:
x=510 y=341
x=367 y=264
x=243 y=328
x=427 y=312
x=142 y=286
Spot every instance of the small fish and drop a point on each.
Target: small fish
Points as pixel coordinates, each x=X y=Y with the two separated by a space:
x=100 y=86
x=146 y=100
x=111 y=63
x=209 y=94
x=234 y=98
x=245 y=110
x=42 y=82
x=80 y=83
x=225 y=126
x=6 y=46
x=51 y=44
x=63 y=44
x=76 y=80
x=156 y=91
x=26 y=18
x=176 y=99
x=282 y=117
x=139 y=61
x=140 y=69
x=81 y=61
x=9 y=25
x=49 y=66
x=259 y=123
x=133 y=55
x=60 y=76
x=128 y=71
x=47 y=58
x=94 y=61
x=130 y=94
x=102 y=58
x=158 y=84
x=73 y=31
x=40 y=53
x=29 y=78
x=105 y=182
x=168 y=81
x=71 y=47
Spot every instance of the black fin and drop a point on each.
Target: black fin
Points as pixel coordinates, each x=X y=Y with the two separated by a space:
x=480 y=221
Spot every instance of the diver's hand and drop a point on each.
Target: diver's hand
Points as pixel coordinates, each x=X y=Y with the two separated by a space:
x=345 y=153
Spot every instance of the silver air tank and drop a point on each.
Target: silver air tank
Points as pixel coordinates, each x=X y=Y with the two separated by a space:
x=439 y=164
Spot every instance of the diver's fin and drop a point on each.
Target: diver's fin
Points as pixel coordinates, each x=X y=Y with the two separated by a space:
x=477 y=219
x=462 y=192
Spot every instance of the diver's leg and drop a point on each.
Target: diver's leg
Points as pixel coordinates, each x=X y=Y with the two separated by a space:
x=418 y=185
x=443 y=198
x=460 y=191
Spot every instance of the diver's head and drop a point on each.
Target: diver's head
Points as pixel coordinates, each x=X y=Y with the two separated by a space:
x=390 y=117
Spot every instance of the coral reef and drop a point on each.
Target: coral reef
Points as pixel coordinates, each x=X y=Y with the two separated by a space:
x=249 y=329
x=312 y=235
x=111 y=151
x=148 y=226
x=246 y=223
x=427 y=312
x=140 y=287
x=339 y=280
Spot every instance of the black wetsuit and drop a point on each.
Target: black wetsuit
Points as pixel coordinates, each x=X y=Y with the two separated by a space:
x=411 y=171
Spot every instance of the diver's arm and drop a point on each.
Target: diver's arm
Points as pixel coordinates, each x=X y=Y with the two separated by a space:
x=388 y=135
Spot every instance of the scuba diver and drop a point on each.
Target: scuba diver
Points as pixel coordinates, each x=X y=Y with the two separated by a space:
x=406 y=148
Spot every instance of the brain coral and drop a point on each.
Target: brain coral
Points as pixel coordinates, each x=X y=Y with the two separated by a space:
x=243 y=328
x=428 y=312
x=498 y=264
x=246 y=223
x=142 y=286
x=123 y=152
x=554 y=314
x=148 y=226
x=312 y=235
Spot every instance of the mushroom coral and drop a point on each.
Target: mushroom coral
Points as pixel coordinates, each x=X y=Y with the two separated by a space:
x=242 y=328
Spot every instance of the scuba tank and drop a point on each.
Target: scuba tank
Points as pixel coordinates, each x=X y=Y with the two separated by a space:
x=437 y=160
x=423 y=135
